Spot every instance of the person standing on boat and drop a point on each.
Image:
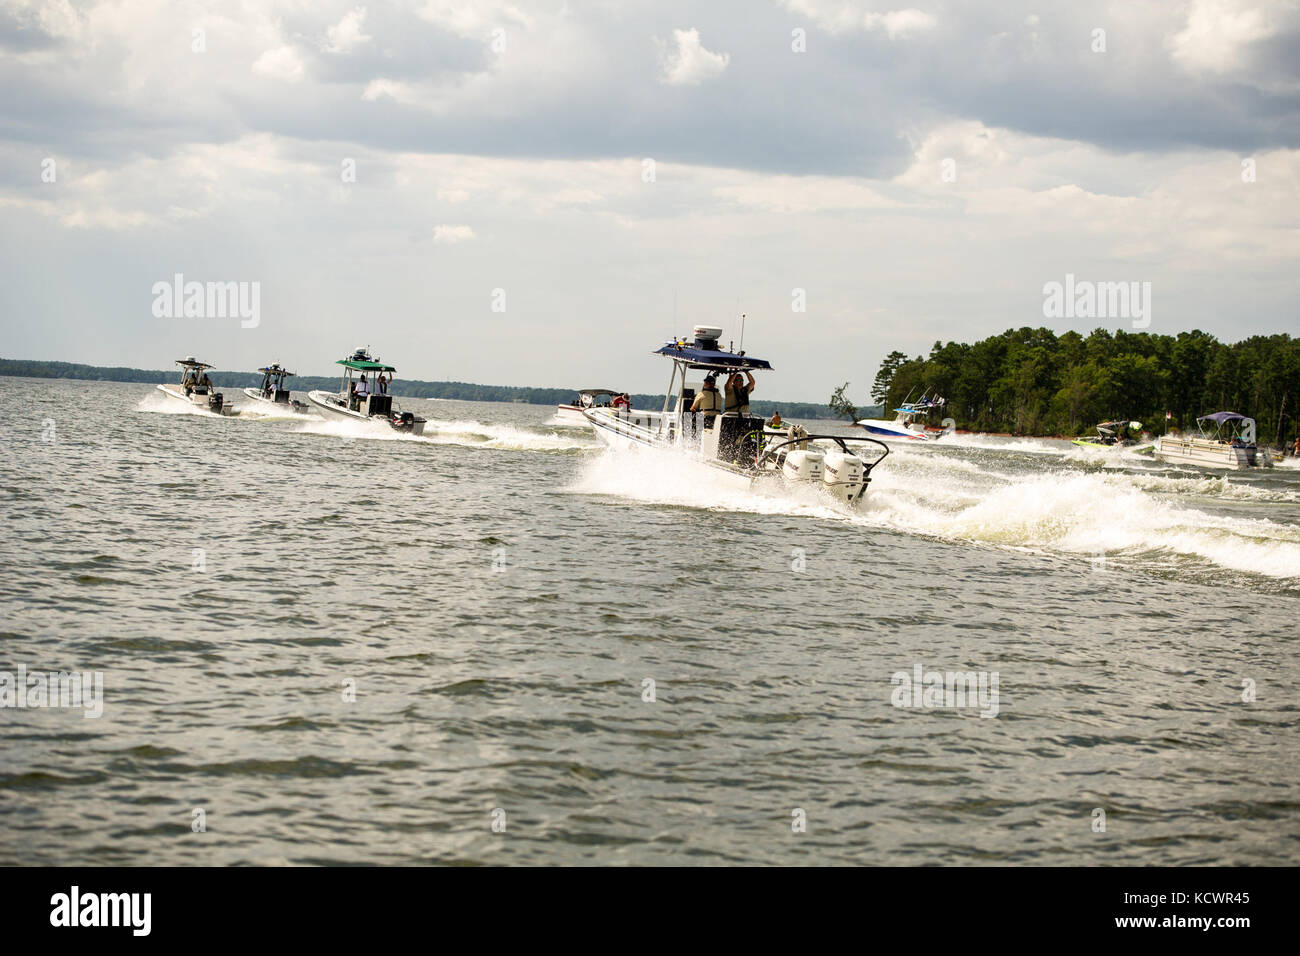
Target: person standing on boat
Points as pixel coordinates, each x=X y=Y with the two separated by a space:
x=738 y=393
x=708 y=401
x=381 y=383
x=775 y=421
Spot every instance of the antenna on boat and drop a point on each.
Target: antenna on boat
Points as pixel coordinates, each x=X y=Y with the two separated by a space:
x=742 y=331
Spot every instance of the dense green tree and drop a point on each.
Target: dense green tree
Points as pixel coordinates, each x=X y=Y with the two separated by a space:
x=1030 y=381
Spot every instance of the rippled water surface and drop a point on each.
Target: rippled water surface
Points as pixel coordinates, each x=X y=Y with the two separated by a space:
x=500 y=593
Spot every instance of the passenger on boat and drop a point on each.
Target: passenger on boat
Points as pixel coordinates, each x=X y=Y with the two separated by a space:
x=363 y=388
x=775 y=421
x=738 y=393
x=205 y=382
x=621 y=401
x=709 y=401
x=381 y=383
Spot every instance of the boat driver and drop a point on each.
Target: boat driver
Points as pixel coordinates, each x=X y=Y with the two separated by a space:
x=708 y=401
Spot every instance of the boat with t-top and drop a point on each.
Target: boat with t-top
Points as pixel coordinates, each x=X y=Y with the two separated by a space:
x=908 y=423
x=1121 y=433
x=363 y=395
x=196 y=388
x=587 y=398
x=731 y=441
x=273 y=394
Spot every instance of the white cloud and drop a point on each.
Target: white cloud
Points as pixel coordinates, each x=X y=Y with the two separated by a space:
x=346 y=35
x=846 y=16
x=1217 y=33
x=690 y=63
x=280 y=63
x=452 y=233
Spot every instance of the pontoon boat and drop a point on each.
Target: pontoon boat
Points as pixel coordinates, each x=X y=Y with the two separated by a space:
x=740 y=446
x=196 y=390
x=366 y=400
x=273 y=395
x=1230 y=443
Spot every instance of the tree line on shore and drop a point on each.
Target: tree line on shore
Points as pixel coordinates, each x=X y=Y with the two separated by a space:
x=1034 y=382
x=409 y=388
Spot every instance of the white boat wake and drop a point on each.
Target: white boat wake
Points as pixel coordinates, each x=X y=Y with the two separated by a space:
x=1132 y=521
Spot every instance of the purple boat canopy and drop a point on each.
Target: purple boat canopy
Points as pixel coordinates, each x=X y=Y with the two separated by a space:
x=1222 y=417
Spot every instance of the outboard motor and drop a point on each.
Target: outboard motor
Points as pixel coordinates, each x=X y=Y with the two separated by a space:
x=844 y=475
x=215 y=401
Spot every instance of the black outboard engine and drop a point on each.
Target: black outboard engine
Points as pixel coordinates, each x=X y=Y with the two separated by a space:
x=215 y=401
x=404 y=420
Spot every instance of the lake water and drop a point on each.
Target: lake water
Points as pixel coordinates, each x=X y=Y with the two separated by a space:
x=324 y=644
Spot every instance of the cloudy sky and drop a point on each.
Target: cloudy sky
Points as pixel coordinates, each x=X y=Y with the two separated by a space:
x=613 y=171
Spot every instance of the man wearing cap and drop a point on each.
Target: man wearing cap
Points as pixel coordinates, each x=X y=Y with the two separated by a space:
x=708 y=401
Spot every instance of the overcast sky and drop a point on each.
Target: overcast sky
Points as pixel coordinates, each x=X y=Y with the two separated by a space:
x=919 y=173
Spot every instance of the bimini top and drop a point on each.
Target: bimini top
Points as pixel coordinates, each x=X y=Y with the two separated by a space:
x=711 y=358
x=276 y=370
x=365 y=365
x=598 y=391
x=189 y=362
x=1222 y=417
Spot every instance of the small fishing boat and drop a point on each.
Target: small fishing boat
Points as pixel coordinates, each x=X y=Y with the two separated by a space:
x=587 y=398
x=908 y=423
x=196 y=389
x=1225 y=440
x=1116 y=434
x=737 y=445
x=273 y=395
x=366 y=400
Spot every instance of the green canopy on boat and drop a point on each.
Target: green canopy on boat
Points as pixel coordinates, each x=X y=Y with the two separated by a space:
x=365 y=366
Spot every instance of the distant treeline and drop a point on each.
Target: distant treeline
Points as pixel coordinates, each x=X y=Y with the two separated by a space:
x=1032 y=382
x=412 y=388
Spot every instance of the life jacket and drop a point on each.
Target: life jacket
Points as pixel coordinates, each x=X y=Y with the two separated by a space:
x=709 y=400
x=737 y=398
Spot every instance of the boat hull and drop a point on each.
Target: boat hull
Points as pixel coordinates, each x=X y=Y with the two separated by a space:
x=570 y=415
x=266 y=407
x=329 y=405
x=200 y=401
x=892 y=431
x=1210 y=454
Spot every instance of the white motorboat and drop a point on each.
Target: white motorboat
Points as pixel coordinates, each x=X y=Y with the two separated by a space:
x=196 y=389
x=1225 y=440
x=908 y=423
x=738 y=445
x=587 y=398
x=366 y=400
x=273 y=396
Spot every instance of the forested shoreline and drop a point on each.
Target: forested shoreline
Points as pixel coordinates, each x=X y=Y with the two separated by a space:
x=1034 y=382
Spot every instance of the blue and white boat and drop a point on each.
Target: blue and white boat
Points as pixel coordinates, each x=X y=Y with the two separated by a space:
x=735 y=443
x=908 y=424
